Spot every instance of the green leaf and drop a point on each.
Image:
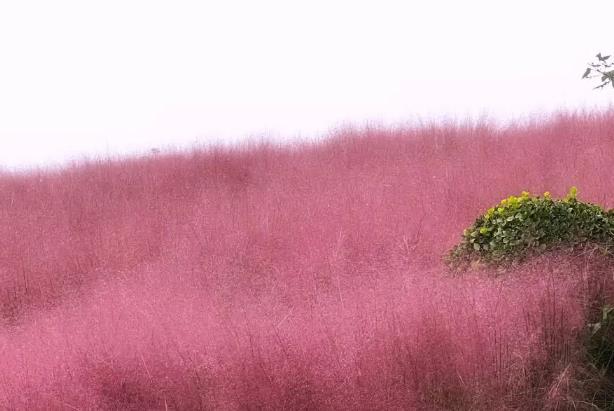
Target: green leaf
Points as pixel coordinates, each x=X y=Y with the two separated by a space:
x=542 y=222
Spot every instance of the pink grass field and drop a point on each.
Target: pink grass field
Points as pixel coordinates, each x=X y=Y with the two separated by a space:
x=305 y=276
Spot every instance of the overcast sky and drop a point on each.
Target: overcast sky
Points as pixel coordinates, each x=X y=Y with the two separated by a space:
x=96 y=77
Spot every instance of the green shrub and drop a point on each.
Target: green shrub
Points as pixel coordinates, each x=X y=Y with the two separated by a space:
x=601 y=340
x=521 y=226
x=525 y=226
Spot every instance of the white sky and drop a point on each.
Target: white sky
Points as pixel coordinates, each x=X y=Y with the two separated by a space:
x=86 y=77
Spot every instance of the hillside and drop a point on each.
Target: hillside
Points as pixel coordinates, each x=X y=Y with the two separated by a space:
x=303 y=276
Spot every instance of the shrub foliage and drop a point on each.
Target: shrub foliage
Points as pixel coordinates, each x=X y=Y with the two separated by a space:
x=520 y=226
x=601 y=341
x=523 y=226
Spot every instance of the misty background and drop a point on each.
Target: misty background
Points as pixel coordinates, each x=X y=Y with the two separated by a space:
x=116 y=77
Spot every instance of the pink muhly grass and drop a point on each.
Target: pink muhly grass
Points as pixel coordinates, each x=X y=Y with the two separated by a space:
x=299 y=277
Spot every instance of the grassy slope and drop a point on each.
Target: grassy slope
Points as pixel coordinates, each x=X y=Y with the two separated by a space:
x=300 y=277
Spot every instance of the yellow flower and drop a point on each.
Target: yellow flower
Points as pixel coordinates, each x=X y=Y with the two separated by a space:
x=489 y=213
x=547 y=195
x=525 y=194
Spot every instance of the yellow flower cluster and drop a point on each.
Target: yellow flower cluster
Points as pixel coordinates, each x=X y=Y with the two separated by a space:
x=515 y=201
x=510 y=202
